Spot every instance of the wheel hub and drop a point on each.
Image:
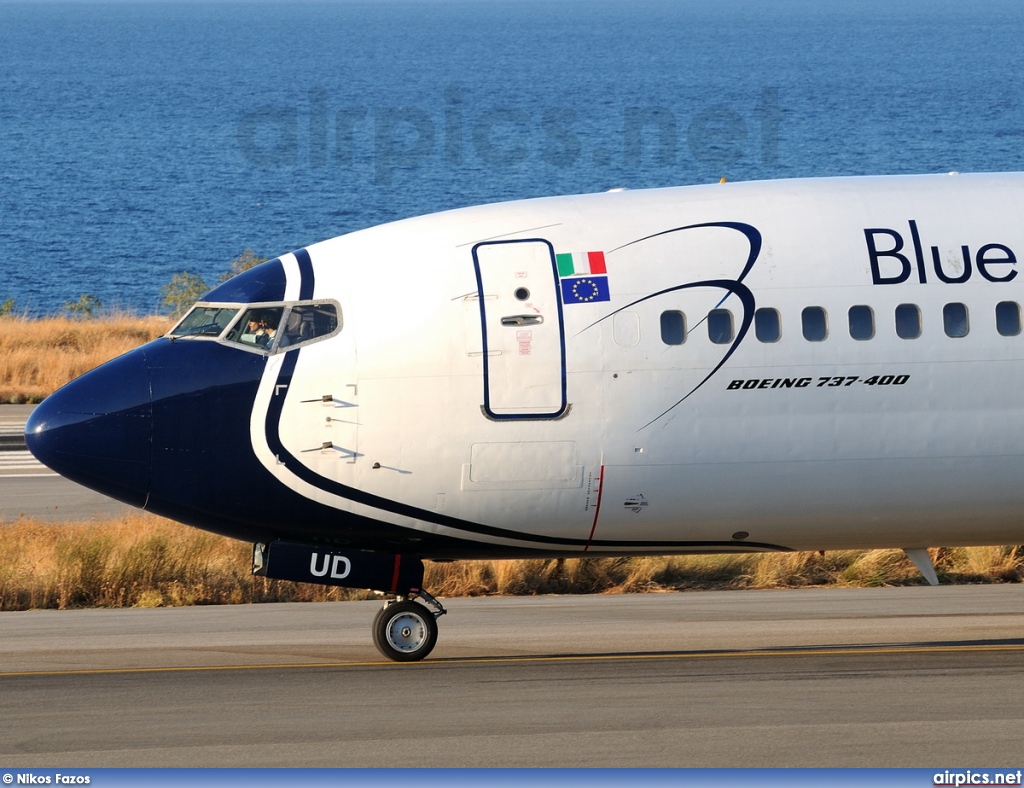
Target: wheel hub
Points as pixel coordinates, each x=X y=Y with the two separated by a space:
x=407 y=632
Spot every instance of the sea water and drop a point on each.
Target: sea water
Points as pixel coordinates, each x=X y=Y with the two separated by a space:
x=140 y=139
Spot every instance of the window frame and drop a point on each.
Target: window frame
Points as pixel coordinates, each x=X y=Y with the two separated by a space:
x=718 y=312
x=917 y=314
x=871 y=322
x=778 y=325
x=946 y=319
x=682 y=326
x=1017 y=316
x=804 y=323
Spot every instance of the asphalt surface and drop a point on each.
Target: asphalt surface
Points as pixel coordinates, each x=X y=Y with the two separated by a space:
x=30 y=489
x=929 y=677
x=924 y=677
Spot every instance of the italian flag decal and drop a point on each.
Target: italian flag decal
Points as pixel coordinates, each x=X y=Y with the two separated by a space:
x=583 y=276
x=580 y=263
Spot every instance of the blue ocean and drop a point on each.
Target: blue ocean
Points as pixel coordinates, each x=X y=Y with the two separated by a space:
x=140 y=139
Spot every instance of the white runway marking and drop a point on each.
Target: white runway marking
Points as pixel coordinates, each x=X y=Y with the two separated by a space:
x=21 y=461
x=18 y=459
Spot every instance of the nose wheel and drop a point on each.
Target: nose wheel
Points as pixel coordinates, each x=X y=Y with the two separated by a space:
x=405 y=630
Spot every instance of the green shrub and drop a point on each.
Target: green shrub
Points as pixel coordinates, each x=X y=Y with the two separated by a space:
x=182 y=291
x=86 y=306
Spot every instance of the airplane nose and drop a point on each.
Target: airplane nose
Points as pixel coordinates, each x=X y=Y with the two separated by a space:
x=98 y=429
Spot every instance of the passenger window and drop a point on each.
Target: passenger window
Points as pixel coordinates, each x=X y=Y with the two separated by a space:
x=862 y=322
x=258 y=327
x=814 y=323
x=954 y=320
x=673 y=328
x=720 y=326
x=309 y=322
x=908 y=321
x=767 y=326
x=1008 y=318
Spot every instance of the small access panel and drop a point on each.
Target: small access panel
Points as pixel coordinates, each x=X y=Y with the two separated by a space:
x=523 y=337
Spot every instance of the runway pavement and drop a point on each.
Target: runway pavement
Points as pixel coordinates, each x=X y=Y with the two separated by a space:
x=14 y=456
x=839 y=677
x=30 y=489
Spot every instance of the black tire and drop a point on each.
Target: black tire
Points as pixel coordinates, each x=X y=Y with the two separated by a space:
x=405 y=631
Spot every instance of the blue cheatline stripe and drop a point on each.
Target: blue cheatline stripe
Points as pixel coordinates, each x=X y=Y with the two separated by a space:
x=308 y=280
x=731 y=287
x=276 y=445
x=296 y=467
x=747 y=299
x=752 y=234
x=358 y=496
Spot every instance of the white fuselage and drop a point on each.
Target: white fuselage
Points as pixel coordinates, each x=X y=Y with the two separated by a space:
x=467 y=381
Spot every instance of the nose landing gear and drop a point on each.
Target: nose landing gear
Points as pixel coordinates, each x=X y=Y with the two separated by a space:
x=405 y=630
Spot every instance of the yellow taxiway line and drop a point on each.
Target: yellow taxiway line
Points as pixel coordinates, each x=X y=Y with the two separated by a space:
x=694 y=655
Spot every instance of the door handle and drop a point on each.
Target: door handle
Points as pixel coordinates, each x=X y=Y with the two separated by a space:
x=522 y=320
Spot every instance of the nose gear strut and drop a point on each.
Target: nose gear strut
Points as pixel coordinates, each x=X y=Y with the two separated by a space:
x=405 y=630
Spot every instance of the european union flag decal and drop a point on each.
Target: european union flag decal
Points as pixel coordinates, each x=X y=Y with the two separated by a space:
x=585 y=290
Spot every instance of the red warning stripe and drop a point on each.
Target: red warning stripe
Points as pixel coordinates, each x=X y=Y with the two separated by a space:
x=394 y=577
x=597 y=508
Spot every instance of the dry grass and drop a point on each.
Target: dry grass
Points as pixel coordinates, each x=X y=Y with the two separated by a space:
x=146 y=561
x=134 y=561
x=38 y=356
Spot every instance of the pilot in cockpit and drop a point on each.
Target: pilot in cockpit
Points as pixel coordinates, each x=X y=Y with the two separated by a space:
x=252 y=330
x=266 y=333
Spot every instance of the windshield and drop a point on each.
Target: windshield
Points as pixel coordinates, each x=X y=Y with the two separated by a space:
x=205 y=321
x=309 y=322
x=265 y=327
x=258 y=327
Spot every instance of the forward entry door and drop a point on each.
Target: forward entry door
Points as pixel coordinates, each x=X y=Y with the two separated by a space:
x=523 y=339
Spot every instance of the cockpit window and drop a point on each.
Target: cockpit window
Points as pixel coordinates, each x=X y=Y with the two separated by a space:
x=307 y=322
x=277 y=327
x=258 y=327
x=204 y=321
x=262 y=327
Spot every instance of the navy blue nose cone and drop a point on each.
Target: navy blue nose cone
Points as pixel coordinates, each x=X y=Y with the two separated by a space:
x=98 y=429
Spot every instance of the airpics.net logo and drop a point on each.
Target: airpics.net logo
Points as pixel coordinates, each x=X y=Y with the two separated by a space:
x=969 y=777
x=323 y=133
